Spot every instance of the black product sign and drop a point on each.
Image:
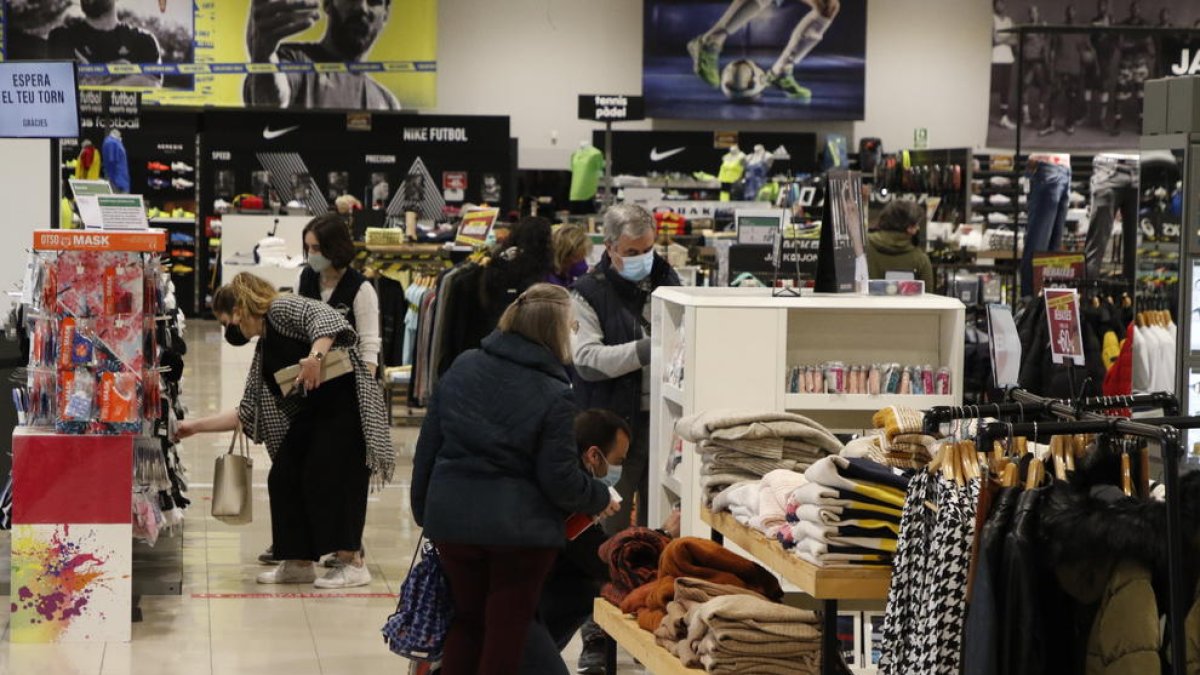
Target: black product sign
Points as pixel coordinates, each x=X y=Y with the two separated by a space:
x=798 y=254
x=843 y=235
x=611 y=107
x=109 y=109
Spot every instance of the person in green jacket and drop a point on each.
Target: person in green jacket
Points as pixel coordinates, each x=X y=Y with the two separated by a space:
x=891 y=247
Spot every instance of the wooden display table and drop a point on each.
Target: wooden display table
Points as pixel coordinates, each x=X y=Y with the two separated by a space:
x=833 y=583
x=624 y=631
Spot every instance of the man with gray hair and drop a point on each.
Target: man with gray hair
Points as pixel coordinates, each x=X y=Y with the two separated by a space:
x=611 y=351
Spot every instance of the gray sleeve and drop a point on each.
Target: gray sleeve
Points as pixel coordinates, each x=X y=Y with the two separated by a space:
x=594 y=360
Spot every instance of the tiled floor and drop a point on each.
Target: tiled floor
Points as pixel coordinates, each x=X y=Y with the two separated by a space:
x=212 y=628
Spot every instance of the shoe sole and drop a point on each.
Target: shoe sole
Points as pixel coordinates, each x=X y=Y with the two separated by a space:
x=317 y=584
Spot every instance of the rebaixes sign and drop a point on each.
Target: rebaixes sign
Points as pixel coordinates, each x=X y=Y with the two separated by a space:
x=611 y=107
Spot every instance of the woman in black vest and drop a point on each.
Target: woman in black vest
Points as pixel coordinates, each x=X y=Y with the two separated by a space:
x=328 y=277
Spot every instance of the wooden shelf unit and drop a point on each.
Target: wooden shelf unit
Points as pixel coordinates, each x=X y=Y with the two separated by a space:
x=640 y=644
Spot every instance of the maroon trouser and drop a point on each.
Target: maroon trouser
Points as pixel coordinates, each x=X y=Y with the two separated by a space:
x=495 y=591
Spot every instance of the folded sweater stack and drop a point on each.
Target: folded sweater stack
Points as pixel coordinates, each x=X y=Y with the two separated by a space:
x=847 y=515
x=761 y=504
x=697 y=559
x=902 y=437
x=737 y=446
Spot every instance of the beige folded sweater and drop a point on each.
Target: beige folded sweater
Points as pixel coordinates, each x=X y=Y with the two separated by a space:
x=742 y=665
x=738 y=425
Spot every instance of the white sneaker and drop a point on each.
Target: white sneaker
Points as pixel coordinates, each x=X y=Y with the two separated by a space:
x=977 y=200
x=997 y=218
x=181 y=167
x=1000 y=181
x=182 y=184
x=1000 y=200
x=346 y=576
x=289 y=572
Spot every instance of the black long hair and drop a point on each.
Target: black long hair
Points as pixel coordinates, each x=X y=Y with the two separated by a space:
x=524 y=260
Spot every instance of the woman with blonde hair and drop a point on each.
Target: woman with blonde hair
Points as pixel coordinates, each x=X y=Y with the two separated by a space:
x=328 y=440
x=496 y=474
x=571 y=245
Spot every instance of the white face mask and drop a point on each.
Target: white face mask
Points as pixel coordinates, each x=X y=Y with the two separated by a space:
x=318 y=262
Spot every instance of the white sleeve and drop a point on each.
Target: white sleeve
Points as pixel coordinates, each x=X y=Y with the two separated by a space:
x=594 y=360
x=366 y=322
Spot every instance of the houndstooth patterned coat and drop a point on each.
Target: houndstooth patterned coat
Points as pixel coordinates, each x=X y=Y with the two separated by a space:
x=266 y=417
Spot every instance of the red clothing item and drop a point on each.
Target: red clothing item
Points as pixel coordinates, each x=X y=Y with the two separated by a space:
x=1119 y=380
x=669 y=222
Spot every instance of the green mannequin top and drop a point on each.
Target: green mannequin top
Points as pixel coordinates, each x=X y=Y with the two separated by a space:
x=587 y=163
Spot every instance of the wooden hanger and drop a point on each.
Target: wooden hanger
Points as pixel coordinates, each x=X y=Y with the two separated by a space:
x=1144 y=473
x=1058 y=457
x=1126 y=475
x=1034 y=474
x=1009 y=476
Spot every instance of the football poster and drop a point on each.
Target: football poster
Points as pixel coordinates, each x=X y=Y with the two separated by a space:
x=292 y=54
x=755 y=59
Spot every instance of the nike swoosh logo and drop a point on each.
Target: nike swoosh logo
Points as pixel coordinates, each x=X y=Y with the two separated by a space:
x=656 y=156
x=271 y=135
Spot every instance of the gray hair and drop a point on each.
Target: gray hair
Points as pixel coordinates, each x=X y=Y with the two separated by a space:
x=627 y=220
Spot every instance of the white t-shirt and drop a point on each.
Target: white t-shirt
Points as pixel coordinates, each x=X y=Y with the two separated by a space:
x=1002 y=52
x=366 y=321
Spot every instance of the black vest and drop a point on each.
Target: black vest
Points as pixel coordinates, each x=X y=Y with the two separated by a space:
x=619 y=306
x=343 y=294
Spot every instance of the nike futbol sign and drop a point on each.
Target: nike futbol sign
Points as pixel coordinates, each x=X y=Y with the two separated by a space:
x=611 y=108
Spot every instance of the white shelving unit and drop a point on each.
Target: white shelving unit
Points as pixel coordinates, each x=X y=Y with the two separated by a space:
x=738 y=344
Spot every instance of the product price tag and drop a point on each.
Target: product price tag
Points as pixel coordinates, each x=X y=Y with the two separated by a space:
x=1062 y=315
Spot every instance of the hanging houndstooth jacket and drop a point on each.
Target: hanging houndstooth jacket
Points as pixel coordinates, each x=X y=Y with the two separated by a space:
x=266 y=418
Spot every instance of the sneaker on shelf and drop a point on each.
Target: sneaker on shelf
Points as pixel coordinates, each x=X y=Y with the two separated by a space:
x=705 y=61
x=157 y=167
x=181 y=167
x=153 y=213
x=158 y=183
x=289 y=572
x=185 y=238
x=1000 y=200
x=1077 y=199
x=790 y=87
x=183 y=269
x=978 y=218
x=295 y=204
x=1000 y=181
x=222 y=206
x=183 y=214
x=182 y=184
x=345 y=576
x=977 y=200
x=71 y=164
x=266 y=557
x=997 y=218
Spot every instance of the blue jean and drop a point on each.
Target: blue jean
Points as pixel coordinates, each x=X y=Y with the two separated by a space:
x=1049 y=197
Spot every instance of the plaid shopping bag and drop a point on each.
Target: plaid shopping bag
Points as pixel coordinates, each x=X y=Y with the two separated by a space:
x=417 y=629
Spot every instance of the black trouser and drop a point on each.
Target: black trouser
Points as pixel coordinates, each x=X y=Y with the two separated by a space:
x=1065 y=100
x=319 y=480
x=1114 y=188
x=565 y=605
x=634 y=478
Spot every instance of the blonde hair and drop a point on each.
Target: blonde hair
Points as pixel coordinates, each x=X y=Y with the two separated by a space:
x=569 y=241
x=542 y=315
x=246 y=293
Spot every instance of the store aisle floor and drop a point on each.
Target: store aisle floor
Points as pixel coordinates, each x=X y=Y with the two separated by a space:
x=224 y=623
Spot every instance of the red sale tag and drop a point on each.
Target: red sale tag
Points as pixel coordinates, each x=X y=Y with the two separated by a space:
x=1062 y=316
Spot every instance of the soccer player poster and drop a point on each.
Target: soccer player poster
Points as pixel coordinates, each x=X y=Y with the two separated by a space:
x=755 y=59
x=292 y=54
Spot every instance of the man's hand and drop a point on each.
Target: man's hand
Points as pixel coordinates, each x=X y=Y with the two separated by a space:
x=613 y=508
x=273 y=20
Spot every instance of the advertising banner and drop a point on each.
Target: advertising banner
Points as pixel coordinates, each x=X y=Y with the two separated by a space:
x=755 y=59
x=300 y=54
x=1062 y=315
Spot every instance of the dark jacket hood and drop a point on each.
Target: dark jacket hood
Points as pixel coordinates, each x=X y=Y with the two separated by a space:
x=525 y=352
x=1084 y=532
x=891 y=242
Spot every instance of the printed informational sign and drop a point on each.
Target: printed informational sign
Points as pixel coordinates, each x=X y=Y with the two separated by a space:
x=611 y=107
x=37 y=100
x=1054 y=268
x=760 y=226
x=476 y=224
x=454 y=185
x=1005 y=345
x=1062 y=315
x=89 y=188
x=262 y=53
x=842 y=264
x=113 y=212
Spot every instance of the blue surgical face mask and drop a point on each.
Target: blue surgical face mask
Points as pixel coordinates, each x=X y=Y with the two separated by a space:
x=614 y=474
x=318 y=262
x=637 y=267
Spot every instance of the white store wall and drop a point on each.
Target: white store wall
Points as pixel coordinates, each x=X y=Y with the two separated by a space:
x=25 y=193
x=928 y=65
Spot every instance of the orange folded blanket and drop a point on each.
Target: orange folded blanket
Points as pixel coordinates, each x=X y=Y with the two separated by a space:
x=699 y=559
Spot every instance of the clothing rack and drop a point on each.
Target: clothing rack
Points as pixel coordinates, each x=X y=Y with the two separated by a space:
x=1165 y=430
x=1026 y=403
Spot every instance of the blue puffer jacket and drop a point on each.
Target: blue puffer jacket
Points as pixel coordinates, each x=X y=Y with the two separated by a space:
x=496 y=463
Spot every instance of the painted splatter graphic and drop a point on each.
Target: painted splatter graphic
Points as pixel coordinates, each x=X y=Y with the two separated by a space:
x=55 y=579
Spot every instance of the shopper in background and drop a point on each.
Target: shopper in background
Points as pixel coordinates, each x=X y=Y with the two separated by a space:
x=611 y=350
x=602 y=439
x=891 y=247
x=571 y=245
x=328 y=278
x=328 y=440
x=495 y=476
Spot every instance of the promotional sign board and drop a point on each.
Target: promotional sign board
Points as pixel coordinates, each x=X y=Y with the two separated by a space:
x=475 y=226
x=842 y=263
x=611 y=107
x=1051 y=268
x=1062 y=315
x=37 y=100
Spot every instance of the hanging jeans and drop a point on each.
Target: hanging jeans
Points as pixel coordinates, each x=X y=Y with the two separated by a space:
x=1114 y=188
x=1049 y=196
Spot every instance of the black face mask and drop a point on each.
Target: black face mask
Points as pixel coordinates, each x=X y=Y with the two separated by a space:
x=235 y=336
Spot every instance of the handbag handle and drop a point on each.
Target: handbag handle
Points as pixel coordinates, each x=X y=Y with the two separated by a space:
x=243 y=447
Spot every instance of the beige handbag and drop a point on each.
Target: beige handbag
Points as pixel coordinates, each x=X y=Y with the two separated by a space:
x=233 y=498
x=335 y=364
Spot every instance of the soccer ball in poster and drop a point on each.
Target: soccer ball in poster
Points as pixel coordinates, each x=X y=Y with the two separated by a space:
x=743 y=80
